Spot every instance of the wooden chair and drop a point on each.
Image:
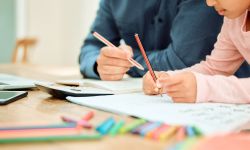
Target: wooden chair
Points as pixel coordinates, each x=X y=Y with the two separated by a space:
x=22 y=44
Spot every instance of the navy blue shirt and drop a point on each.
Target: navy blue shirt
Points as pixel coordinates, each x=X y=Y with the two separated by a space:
x=175 y=33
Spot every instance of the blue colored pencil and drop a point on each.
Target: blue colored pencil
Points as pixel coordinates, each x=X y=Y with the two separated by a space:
x=190 y=131
x=105 y=126
x=149 y=128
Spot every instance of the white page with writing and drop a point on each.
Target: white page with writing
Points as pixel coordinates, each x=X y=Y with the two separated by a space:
x=209 y=117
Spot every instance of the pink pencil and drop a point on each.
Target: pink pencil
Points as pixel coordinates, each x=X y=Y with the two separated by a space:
x=81 y=123
x=181 y=134
x=88 y=116
x=106 y=42
x=155 y=135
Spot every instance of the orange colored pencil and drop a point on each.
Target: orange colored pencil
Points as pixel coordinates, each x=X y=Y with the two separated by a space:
x=88 y=116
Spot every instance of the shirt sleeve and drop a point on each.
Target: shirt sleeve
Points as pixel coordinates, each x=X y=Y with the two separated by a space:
x=105 y=25
x=215 y=82
x=223 y=89
x=192 y=38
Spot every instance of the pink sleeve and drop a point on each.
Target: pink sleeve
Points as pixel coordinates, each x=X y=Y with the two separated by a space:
x=222 y=63
x=222 y=89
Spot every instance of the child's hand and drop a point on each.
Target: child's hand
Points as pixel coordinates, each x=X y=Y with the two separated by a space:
x=149 y=86
x=181 y=87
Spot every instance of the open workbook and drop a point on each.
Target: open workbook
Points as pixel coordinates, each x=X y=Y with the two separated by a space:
x=209 y=117
x=126 y=85
x=91 y=87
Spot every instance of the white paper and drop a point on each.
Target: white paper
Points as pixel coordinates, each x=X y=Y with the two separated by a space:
x=209 y=117
x=126 y=85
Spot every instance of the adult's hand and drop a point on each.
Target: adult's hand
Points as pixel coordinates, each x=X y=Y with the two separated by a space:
x=113 y=63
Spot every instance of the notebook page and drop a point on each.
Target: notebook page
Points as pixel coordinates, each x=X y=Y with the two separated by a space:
x=209 y=117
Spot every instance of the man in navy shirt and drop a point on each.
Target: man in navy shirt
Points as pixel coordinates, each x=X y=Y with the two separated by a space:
x=175 y=33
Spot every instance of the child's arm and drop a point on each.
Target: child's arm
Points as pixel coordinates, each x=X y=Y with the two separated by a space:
x=224 y=60
x=222 y=89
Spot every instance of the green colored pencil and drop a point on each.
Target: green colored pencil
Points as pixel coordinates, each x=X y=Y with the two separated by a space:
x=116 y=128
x=131 y=126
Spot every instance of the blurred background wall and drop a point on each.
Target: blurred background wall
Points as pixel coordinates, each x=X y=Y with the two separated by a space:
x=59 y=26
x=7 y=29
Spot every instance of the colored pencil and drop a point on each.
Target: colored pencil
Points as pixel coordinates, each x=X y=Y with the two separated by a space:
x=105 y=126
x=156 y=133
x=170 y=132
x=82 y=123
x=88 y=116
x=181 y=134
x=190 y=131
x=149 y=128
x=61 y=125
x=151 y=71
x=133 y=125
x=39 y=132
x=139 y=128
x=51 y=138
x=115 y=130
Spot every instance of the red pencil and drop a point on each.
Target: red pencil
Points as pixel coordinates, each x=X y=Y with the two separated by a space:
x=151 y=71
x=106 y=42
x=145 y=57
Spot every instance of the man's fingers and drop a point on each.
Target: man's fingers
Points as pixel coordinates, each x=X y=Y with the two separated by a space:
x=108 y=77
x=127 y=49
x=111 y=61
x=114 y=52
x=112 y=70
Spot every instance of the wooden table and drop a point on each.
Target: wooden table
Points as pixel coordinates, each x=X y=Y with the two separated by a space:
x=41 y=107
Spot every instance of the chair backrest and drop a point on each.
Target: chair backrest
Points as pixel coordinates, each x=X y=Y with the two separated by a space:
x=22 y=44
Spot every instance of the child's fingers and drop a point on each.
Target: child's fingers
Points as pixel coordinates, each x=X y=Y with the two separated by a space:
x=173 y=88
x=150 y=92
x=149 y=85
x=179 y=100
x=171 y=80
x=182 y=100
x=162 y=74
x=168 y=81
